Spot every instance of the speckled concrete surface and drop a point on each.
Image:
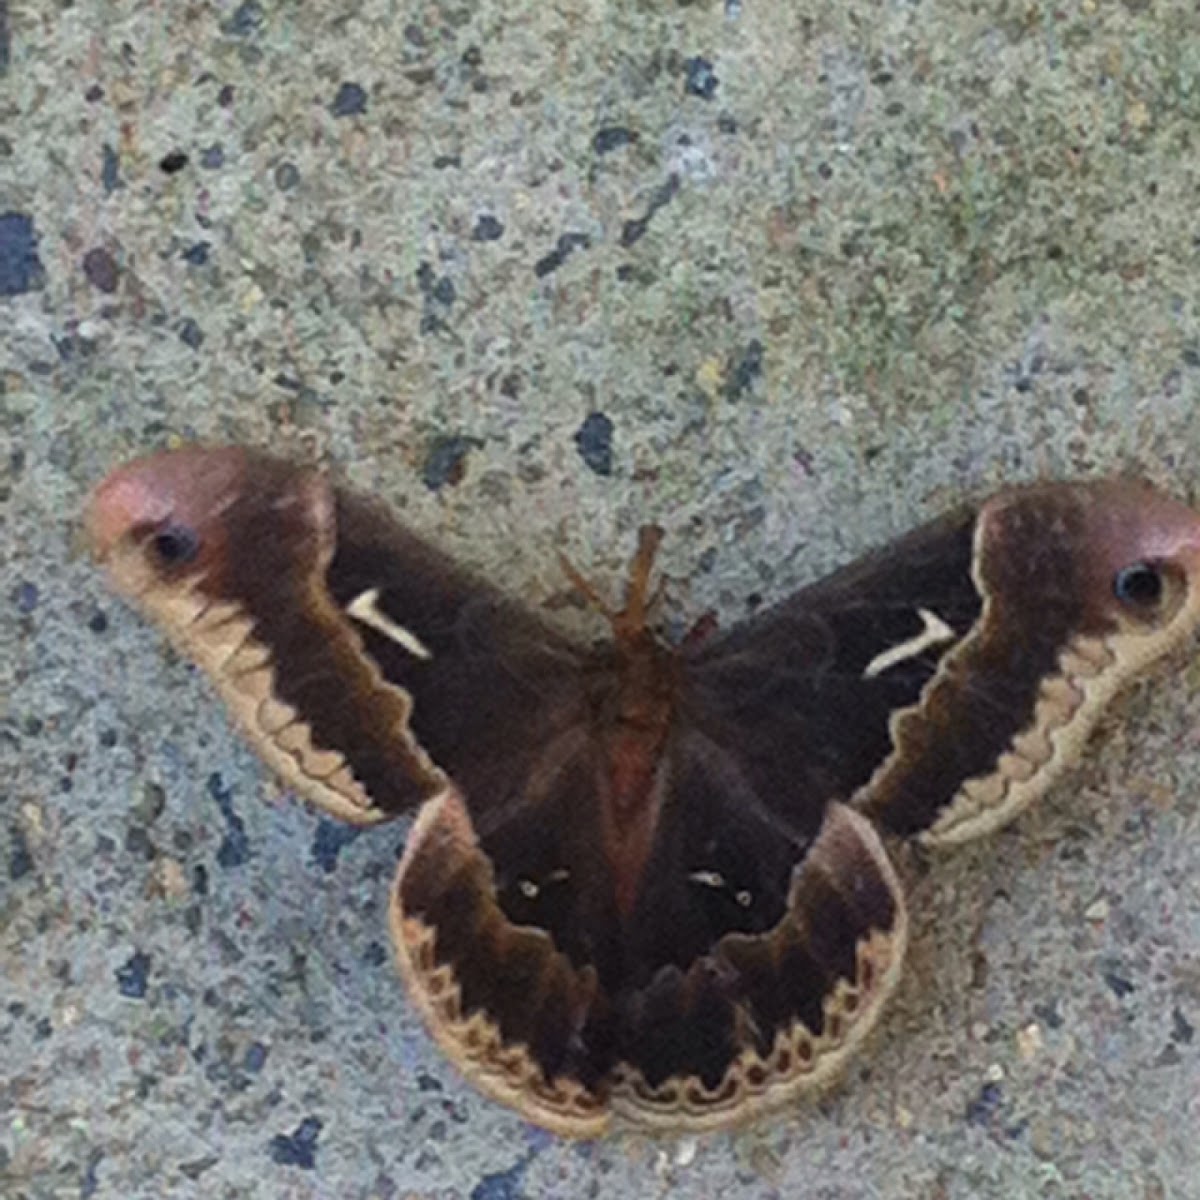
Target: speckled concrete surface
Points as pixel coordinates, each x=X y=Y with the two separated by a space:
x=786 y=277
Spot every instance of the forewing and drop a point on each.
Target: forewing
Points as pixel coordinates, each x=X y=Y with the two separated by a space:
x=363 y=665
x=1085 y=586
x=945 y=681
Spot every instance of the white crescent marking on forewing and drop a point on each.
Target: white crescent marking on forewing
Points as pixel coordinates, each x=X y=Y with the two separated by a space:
x=936 y=632
x=365 y=608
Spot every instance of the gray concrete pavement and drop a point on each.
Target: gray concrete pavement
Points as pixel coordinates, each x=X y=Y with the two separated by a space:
x=787 y=278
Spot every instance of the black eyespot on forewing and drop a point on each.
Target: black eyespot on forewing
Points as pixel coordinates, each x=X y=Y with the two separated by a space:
x=1139 y=586
x=175 y=545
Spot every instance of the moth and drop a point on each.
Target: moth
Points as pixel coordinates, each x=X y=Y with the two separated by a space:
x=647 y=883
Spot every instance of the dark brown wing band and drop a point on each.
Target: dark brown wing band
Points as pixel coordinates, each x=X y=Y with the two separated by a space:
x=528 y=1027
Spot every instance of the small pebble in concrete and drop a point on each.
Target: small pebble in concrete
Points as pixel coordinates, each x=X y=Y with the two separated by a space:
x=745 y=371
x=20 y=860
x=234 y=849
x=101 y=269
x=564 y=247
x=445 y=461
x=633 y=230
x=133 y=974
x=594 y=441
x=1049 y=1014
x=985 y=1106
x=350 y=101
x=612 y=137
x=20 y=268
x=699 y=78
x=151 y=804
x=196 y=1167
x=487 y=229
x=110 y=169
x=245 y=20
x=1182 y=1030
x=1030 y=1041
x=254 y=1058
x=90 y=1183
x=503 y=1185
x=190 y=333
x=440 y=293
x=287 y=175
x=328 y=840
x=1118 y=984
x=299 y=1148
x=26 y=596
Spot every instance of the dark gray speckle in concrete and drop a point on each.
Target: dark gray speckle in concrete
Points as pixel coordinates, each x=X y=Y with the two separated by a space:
x=487 y=228
x=133 y=975
x=612 y=137
x=328 y=840
x=173 y=162
x=299 y=1148
x=234 y=850
x=566 y=245
x=101 y=268
x=350 y=101
x=594 y=441
x=190 y=333
x=699 y=78
x=20 y=267
x=446 y=460
x=245 y=20
x=110 y=169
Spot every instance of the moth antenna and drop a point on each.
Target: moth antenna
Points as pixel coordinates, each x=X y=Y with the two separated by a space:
x=586 y=589
x=640 y=598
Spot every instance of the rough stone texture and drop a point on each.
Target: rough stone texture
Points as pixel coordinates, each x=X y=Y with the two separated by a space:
x=824 y=268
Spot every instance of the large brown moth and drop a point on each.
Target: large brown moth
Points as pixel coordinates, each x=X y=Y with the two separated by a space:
x=646 y=883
